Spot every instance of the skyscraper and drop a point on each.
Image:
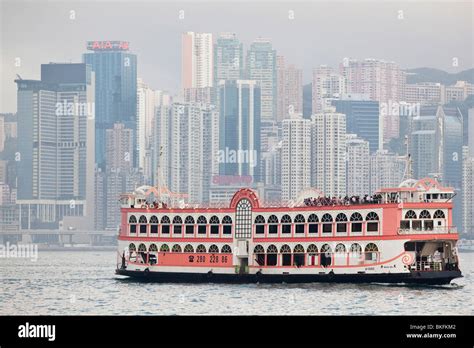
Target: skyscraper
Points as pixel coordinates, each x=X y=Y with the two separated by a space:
x=326 y=86
x=468 y=192
x=386 y=170
x=295 y=157
x=289 y=89
x=358 y=166
x=116 y=88
x=196 y=60
x=194 y=147
x=261 y=67
x=329 y=152
x=382 y=81
x=362 y=118
x=228 y=58
x=56 y=143
x=239 y=128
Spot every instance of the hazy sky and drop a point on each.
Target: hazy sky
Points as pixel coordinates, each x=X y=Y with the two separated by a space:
x=430 y=34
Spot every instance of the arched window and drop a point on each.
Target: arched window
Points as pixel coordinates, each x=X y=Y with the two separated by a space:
x=132 y=247
x=356 y=249
x=313 y=224
x=356 y=223
x=153 y=225
x=341 y=225
x=214 y=222
x=298 y=255
x=425 y=214
x=272 y=224
x=132 y=222
x=164 y=248
x=227 y=225
x=327 y=223
x=410 y=215
x=152 y=247
x=177 y=222
x=372 y=224
x=299 y=224
x=202 y=222
x=285 y=250
x=143 y=224
x=226 y=249
x=259 y=255
x=371 y=251
x=286 y=224
x=427 y=222
x=188 y=248
x=326 y=255
x=340 y=248
x=439 y=214
x=201 y=248
x=312 y=249
x=189 y=222
x=213 y=249
x=243 y=223
x=142 y=248
x=272 y=257
x=259 y=224
x=165 y=225
x=176 y=248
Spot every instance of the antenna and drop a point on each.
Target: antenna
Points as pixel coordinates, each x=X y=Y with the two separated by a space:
x=408 y=161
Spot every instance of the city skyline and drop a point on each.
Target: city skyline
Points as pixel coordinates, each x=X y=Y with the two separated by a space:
x=329 y=45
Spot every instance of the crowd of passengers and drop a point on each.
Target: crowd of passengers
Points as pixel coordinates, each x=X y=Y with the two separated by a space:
x=332 y=201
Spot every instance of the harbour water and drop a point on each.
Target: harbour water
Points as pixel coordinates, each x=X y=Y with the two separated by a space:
x=84 y=283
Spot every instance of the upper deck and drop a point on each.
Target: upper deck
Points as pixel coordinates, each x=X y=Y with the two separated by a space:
x=415 y=208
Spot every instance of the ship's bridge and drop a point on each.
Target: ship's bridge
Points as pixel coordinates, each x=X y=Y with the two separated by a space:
x=426 y=190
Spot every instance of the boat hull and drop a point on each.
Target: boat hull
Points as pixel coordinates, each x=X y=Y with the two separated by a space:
x=422 y=278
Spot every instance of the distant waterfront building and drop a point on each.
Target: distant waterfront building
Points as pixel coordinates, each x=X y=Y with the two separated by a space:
x=239 y=128
x=261 y=67
x=295 y=157
x=147 y=101
x=459 y=91
x=329 y=152
x=228 y=58
x=326 y=86
x=2 y=133
x=119 y=147
x=358 y=166
x=386 y=170
x=289 y=89
x=382 y=81
x=194 y=145
x=56 y=145
x=424 y=93
x=115 y=70
x=468 y=192
x=362 y=118
x=196 y=60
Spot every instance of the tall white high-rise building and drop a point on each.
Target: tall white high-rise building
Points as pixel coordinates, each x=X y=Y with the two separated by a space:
x=329 y=152
x=386 y=170
x=468 y=192
x=326 y=86
x=358 y=165
x=197 y=69
x=295 y=156
x=194 y=146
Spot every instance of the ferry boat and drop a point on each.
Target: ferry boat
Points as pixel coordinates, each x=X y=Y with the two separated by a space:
x=399 y=235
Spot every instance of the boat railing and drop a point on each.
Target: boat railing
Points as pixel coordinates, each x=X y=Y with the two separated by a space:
x=434 y=230
x=427 y=266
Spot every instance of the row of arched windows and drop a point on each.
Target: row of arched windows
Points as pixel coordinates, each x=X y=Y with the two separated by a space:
x=371 y=216
x=176 y=248
x=313 y=249
x=177 y=224
x=424 y=214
